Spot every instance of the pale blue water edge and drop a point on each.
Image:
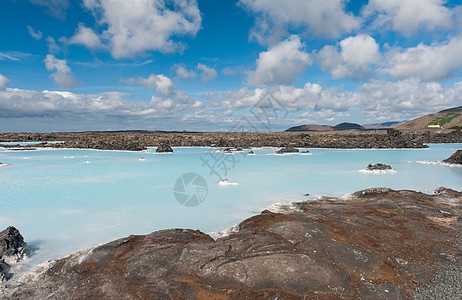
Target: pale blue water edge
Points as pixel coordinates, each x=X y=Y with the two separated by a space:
x=64 y=200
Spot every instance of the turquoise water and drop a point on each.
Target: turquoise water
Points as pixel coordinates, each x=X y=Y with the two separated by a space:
x=27 y=143
x=64 y=200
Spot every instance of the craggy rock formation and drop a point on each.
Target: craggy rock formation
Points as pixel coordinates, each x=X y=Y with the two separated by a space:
x=380 y=244
x=456 y=158
x=12 y=248
x=289 y=149
x=12 y=244
x=378 y=167
x=164 y=148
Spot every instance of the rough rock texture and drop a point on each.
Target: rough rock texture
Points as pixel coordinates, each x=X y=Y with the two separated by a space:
x=12 y=244
x=3 y=271
x=378 y=167
x=164 y=148
x=12 y=248
x=289 y=149
x=456 y=158
x=380 y=244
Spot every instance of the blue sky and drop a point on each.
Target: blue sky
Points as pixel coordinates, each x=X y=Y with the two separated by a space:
x=69 y=65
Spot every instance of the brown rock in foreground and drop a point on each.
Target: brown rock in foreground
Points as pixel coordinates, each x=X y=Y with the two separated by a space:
x=380 y=244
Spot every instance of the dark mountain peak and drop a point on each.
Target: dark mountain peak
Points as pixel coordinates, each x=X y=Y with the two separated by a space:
x=348 y=126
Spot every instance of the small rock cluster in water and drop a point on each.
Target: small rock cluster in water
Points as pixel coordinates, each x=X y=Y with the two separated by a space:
x=378 y=167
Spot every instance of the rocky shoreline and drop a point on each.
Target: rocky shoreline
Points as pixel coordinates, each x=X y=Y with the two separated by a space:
x=378 y=244
x=139 y=140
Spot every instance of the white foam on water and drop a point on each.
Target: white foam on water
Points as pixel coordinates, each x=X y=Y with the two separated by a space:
x=224 y=233
x=430 y=162
x=377 y=171
x=226 y=182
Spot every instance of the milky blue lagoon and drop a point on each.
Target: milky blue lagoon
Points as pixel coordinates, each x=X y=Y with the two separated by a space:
x=64 y=200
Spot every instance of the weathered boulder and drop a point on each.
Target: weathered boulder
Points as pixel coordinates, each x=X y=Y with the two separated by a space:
x=378 y=167
x=379 y=244
x=12 y=244
x=12 y=247
x=456 y=158
x=164 y=148
x=289 y=149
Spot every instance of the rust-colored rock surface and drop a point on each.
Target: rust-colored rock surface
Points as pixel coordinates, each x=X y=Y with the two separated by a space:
x=380 y=244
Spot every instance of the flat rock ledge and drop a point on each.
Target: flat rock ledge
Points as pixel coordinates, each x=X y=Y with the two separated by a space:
x=377 y=244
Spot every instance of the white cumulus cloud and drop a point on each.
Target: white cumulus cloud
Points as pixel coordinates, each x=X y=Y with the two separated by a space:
x=318 y=18
x=408 y=16
x=407 y=99
x=3 y=82
x=163 y=85
x=135 y=27
x=87 y=37
x=62 y=75
x=280 y=63
x=356 y=55
x=426 y=62
x=183 y=73
x=207 y=73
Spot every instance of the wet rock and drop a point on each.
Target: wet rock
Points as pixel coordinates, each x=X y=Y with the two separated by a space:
x=289 y=149
x=164 y=148
x=379 y=244
x=378 y=167
x=456 y=158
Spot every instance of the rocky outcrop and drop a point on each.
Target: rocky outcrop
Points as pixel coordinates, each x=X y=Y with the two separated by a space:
x=164 y=148
x=12 y=244
x=378 y=167
x=287 y=150
x=380 y=244
x=12 y=248
x=456 y=158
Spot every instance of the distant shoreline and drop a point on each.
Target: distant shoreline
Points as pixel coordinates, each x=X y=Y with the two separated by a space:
x=141 y=140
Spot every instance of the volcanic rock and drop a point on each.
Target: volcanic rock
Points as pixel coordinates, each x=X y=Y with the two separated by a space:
x=12 y=247
x=164 y=148
x=289 y=149
x=379 y=244
x=378 y=167
x=3 y=271
x=12 y=244
x=456 y=158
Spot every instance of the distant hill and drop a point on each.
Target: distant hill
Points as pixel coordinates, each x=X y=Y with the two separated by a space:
x=312 y=127
x=385 y=125
x=446 y=119
x=348 y=126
